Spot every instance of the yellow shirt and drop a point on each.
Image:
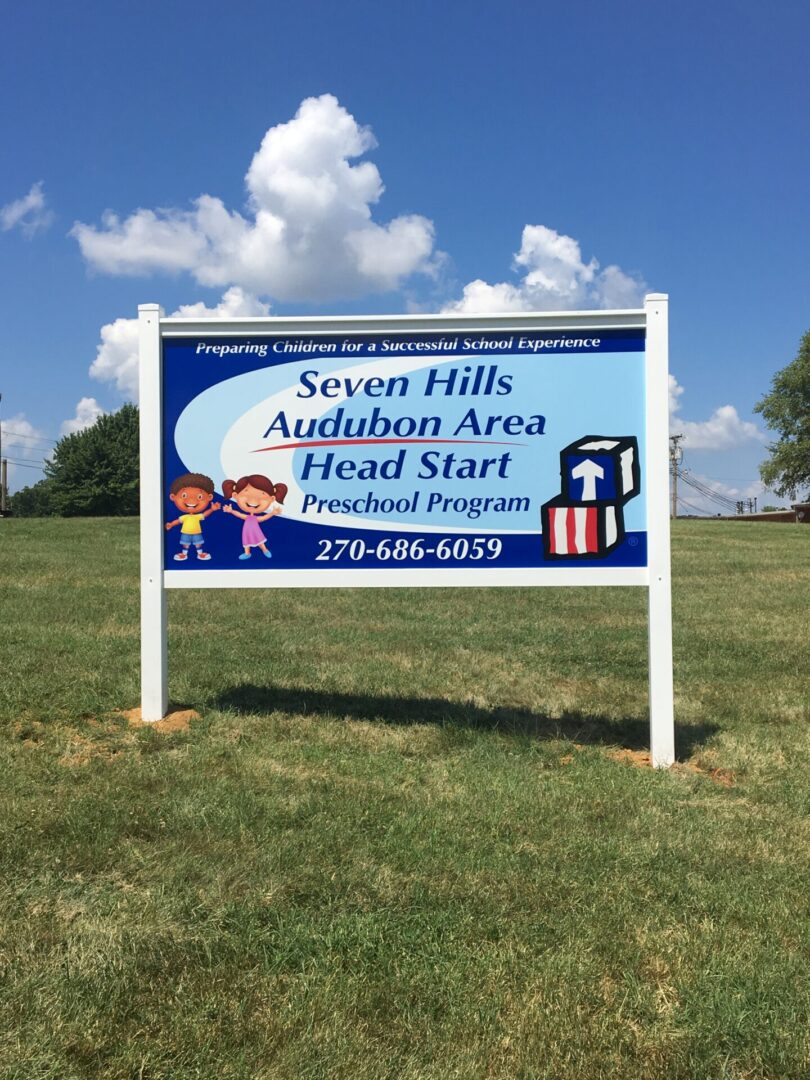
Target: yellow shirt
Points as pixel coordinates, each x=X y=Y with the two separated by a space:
x=190 y=524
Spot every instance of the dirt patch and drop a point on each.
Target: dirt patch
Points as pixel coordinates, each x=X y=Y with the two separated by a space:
x=725 y=777
x=176 y=720
x=81 y=751
x=111 y=740
x=640 y=759
x=28 y=732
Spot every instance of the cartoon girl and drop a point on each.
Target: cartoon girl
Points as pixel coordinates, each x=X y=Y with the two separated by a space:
x=260 y=499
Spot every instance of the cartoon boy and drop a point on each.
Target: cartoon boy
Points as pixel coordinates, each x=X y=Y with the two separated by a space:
x=191 y=494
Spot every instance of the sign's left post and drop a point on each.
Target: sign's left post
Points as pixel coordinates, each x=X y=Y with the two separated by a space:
x=154 y=645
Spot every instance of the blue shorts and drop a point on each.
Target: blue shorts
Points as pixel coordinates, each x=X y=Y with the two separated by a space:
x=191 y=538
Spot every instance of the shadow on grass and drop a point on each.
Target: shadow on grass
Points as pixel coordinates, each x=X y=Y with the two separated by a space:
x=631 y=733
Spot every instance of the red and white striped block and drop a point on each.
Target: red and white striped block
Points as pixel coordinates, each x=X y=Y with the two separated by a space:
x=577 y=531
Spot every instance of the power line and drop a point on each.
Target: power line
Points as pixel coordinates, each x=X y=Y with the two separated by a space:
x=709 y=492
x=715 y=496
x=25 y=435
x=697 y=510
x=25 y=457
x=726 y=507
x=737 y=506
x=726 y=504
x=23 y=465
x=11 y=441
x=692 y=479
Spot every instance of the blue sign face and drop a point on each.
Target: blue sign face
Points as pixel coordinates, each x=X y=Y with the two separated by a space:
x=404 y=450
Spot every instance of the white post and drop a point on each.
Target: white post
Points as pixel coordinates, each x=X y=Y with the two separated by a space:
x=662 y=707
x=154 y=652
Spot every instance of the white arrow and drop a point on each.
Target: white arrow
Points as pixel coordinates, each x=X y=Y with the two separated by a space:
x=589 y=472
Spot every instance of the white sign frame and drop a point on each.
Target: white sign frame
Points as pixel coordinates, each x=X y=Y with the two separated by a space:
x=656 y=576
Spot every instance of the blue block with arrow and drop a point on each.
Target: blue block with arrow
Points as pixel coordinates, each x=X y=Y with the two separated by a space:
x=600 y=469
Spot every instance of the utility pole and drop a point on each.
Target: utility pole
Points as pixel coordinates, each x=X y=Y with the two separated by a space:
x=675 y=458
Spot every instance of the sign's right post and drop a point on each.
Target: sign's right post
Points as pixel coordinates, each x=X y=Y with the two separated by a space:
x=662 y=708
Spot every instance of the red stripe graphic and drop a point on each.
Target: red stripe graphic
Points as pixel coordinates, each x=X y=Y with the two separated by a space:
x=571 y=530
x=373 y=442
x=591 y=543
x=552 y=528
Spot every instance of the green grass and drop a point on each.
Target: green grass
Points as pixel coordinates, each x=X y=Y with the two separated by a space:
x=401 y=841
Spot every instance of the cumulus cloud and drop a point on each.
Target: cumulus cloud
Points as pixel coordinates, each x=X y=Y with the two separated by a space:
x=308 y=232
x=27 y=444
x=553 y=277
x=724 y=429
x=117 y=354
x=117 y=357
x=17 y=430
x=30 y=213
x=235 y=304
x=675 y=393
x=88 y=411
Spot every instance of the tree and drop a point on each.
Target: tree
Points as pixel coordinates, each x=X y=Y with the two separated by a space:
x=92 y=472
x=34 y=501
x=95 y=471
x=786 y=410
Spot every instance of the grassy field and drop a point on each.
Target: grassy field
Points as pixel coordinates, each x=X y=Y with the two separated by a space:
x=407 y=836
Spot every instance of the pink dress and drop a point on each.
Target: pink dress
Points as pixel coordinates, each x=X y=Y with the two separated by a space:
x=252 y=534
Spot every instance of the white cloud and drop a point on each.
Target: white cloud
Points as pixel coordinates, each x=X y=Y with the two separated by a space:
x=724 y=429
x=554 y=278
x=117 y=355
x=675 y=393
x=308 y=234
x=17 y=431
x=30 y=213
x=27 y=444
x=235 y=304
x=88 y=411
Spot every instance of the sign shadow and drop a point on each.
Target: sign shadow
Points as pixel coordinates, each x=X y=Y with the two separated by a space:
x=586 y=728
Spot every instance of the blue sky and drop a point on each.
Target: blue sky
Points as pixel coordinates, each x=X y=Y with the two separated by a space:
x=672 y=145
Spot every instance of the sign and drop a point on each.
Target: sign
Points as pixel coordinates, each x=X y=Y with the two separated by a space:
x=408 y=451
x=422 y=451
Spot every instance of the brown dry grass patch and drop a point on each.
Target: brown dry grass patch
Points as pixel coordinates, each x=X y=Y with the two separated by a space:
x=640 y=759
x=175 y=720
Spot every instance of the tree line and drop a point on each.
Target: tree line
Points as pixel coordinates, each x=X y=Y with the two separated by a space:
x=90 y=473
